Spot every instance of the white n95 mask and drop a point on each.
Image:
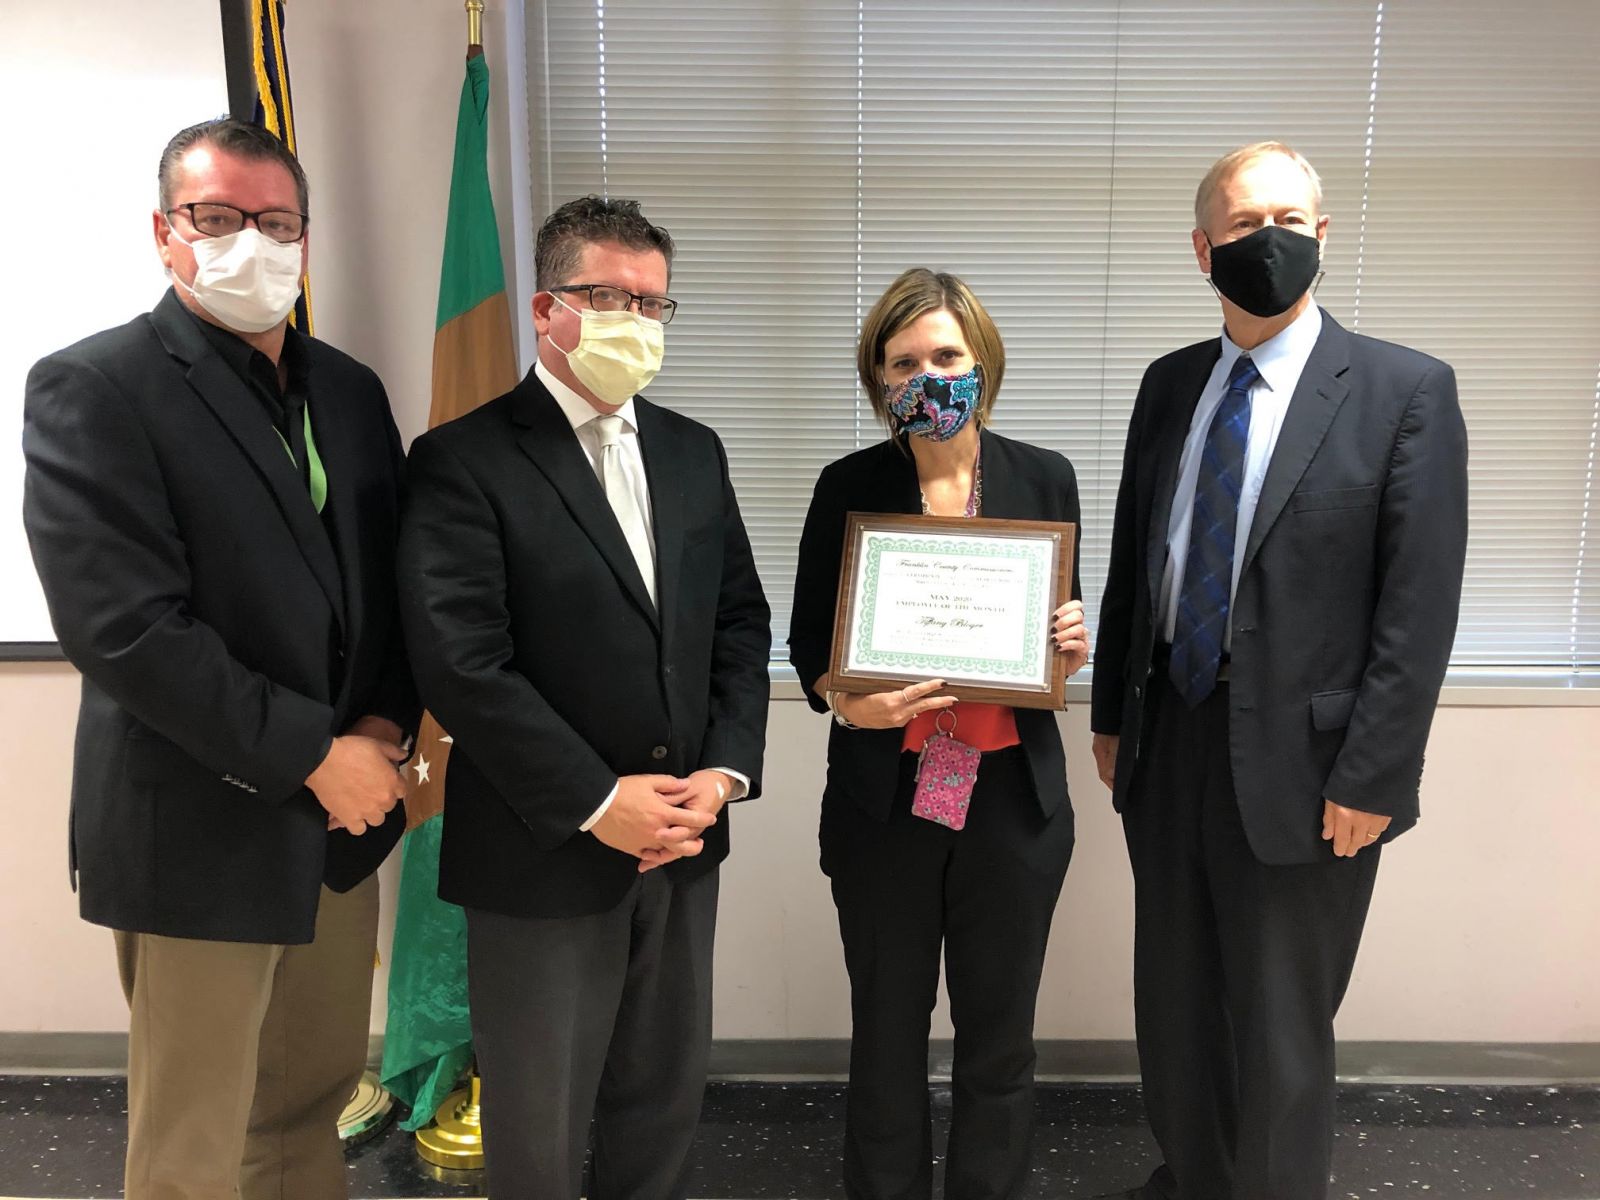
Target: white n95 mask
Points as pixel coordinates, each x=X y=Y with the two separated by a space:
x=618 y=353
x=245 y=280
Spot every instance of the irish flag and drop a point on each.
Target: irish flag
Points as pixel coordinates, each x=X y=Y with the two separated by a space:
x=428 y=1043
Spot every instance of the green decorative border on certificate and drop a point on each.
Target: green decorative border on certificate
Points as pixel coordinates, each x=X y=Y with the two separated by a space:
x=1036 y=553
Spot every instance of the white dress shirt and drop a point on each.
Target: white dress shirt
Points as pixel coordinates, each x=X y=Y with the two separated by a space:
x=580 y=413
x=1281 y=360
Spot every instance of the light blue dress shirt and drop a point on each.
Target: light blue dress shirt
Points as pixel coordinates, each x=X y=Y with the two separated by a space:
x=1281 y=360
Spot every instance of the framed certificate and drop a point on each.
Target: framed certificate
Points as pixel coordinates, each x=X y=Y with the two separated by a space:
x=971 y=601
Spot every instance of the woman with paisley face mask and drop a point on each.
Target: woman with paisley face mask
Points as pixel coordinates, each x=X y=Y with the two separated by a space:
x=910 y=890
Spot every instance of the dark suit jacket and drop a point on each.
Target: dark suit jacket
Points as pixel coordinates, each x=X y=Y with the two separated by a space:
x=1020 y=482
x=224 y=631
x=1347 y=599
x=538 y=649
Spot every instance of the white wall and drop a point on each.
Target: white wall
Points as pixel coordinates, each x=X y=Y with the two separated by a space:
x=1485 y=920
x=1483 y=927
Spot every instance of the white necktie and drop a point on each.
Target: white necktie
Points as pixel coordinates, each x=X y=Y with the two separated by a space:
x=614 y=479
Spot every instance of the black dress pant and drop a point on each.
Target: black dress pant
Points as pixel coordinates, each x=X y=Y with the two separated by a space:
x=906 y=888
x=606 y=1015
x=1239 y=969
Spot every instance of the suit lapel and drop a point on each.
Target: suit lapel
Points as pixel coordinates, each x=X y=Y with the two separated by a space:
x=229 y=399
x=1178 y=414
x=1317 y=399
x=662 y=459
x=548 y=439
x=900 y=492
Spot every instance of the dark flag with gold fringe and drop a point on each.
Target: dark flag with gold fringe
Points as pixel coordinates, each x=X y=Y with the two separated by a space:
x=275 y=106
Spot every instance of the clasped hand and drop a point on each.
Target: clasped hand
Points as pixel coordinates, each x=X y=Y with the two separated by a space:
x=359 y=779
x=659 y=818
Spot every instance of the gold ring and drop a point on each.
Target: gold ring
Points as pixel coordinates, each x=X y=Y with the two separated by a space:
x=905 y=693
x=1372 y=837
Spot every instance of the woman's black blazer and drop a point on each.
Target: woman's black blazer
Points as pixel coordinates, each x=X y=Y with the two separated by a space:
x=1020 y=482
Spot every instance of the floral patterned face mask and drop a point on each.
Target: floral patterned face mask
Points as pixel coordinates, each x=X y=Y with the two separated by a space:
x=936 y=407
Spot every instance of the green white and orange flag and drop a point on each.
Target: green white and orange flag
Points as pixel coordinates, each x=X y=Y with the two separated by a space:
x=428 y=1043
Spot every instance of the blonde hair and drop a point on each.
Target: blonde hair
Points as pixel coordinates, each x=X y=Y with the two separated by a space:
x=1226 y=167
x=913 y=295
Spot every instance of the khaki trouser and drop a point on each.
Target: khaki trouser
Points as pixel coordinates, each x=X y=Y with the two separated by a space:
x=241 y=1057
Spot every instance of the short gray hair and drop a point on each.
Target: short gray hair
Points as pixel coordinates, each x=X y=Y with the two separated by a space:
x=1229 y=165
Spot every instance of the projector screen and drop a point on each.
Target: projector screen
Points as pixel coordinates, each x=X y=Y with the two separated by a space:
x=86 y=125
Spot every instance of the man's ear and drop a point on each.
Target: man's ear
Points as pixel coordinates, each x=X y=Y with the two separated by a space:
x=159 y=227
x=540 y=307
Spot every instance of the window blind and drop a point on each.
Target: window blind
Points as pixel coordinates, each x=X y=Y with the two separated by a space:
x=803 y=154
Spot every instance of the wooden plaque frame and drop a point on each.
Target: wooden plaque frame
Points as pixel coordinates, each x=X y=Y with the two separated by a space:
x=1063 y=535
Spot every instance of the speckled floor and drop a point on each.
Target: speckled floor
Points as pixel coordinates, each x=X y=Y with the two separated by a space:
x=63 y=1137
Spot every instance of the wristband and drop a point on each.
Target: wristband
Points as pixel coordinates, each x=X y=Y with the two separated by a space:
x=839 y=718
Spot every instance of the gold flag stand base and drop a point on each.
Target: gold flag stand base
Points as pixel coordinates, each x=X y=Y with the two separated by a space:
x=367 y=1112
x=455 y=1140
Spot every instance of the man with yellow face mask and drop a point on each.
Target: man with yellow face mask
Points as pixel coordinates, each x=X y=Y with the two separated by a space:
x=590 y=629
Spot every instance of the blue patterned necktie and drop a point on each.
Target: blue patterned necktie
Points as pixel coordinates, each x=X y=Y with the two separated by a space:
x=1204 y=600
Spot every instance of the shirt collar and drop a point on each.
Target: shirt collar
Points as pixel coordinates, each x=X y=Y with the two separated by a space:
x=580 y=412
x=1282 y=357
x=241 y=355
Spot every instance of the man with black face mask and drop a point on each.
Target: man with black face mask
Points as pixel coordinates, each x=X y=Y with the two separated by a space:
x=1285 y=577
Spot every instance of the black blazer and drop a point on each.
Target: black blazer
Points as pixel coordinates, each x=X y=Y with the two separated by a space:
x=1020 y=482
x=224 y=630
x=1348 y=594
x=537 y=647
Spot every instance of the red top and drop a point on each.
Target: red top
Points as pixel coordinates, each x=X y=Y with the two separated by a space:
x=981 y=726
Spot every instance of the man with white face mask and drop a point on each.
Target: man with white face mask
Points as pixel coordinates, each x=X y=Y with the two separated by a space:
x=212 y=501
x=589 y=627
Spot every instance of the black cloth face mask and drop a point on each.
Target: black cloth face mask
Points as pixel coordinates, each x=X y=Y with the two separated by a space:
x=1266 y=272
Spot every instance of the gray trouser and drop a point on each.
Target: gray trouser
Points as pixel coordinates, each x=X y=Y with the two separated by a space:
x=605 y=1016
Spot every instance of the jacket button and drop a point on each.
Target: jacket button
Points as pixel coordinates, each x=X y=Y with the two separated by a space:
x=659 y=752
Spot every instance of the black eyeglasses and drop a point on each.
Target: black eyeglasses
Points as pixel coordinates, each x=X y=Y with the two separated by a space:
x=605 y=298
x=219 y=220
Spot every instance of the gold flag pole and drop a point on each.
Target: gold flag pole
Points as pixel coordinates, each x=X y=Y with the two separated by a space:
x=455 y=1139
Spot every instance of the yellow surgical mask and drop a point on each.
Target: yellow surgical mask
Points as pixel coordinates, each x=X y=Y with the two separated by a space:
x=618 y=353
